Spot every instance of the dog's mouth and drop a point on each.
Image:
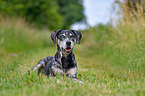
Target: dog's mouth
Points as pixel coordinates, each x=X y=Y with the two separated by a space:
x=68 y=49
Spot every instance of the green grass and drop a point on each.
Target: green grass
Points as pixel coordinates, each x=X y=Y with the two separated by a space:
x=111 y=61
x=16 y=35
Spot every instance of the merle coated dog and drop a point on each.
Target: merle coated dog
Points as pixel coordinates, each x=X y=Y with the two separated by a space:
x=63 y=63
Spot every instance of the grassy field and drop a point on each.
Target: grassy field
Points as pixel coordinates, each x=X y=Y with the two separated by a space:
x=111 y=61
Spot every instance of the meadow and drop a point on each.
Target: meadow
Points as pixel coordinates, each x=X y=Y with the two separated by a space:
x=111 y=61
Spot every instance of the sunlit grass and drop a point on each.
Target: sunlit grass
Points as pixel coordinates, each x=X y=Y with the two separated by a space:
x=16 y=78
x=111 y=61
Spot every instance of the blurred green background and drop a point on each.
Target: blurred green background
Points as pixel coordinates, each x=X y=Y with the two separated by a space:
x=52 y=14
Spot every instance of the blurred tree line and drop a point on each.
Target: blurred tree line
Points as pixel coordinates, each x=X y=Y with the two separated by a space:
x=52 y=14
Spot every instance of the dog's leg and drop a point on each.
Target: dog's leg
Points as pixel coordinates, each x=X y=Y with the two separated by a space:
x=41 y=70
x=75 y=79
x=40 y=65
x=56 y=71
x=72 y=72
x=37 y=67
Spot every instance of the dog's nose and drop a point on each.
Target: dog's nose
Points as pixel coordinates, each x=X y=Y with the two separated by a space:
x=68 y=43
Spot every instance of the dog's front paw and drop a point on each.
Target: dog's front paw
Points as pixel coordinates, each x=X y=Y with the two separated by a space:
x=77 y=80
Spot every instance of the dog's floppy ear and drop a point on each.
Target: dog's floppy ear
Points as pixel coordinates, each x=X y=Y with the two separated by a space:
x=54 y=34
x=78 y=36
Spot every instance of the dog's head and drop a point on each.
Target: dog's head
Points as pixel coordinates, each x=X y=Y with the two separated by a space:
x=66 y=39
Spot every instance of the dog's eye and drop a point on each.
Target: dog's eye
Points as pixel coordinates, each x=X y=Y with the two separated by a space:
x=62 y=36
x=72 y=36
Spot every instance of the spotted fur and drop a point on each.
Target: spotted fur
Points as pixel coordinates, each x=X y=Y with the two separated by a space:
x=63 y=63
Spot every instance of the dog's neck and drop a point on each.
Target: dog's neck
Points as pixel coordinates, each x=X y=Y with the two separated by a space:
x=60 y=54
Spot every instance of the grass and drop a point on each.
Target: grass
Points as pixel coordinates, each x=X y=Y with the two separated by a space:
x=16 y=35
x=16 y=78
x=110 y=61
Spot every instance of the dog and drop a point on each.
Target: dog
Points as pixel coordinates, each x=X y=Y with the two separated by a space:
x=63 y=63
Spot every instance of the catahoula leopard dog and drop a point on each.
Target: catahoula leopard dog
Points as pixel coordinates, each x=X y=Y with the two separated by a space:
x=63 y=63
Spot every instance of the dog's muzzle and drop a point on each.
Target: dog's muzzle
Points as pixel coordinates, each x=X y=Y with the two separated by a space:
x=68 y=48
